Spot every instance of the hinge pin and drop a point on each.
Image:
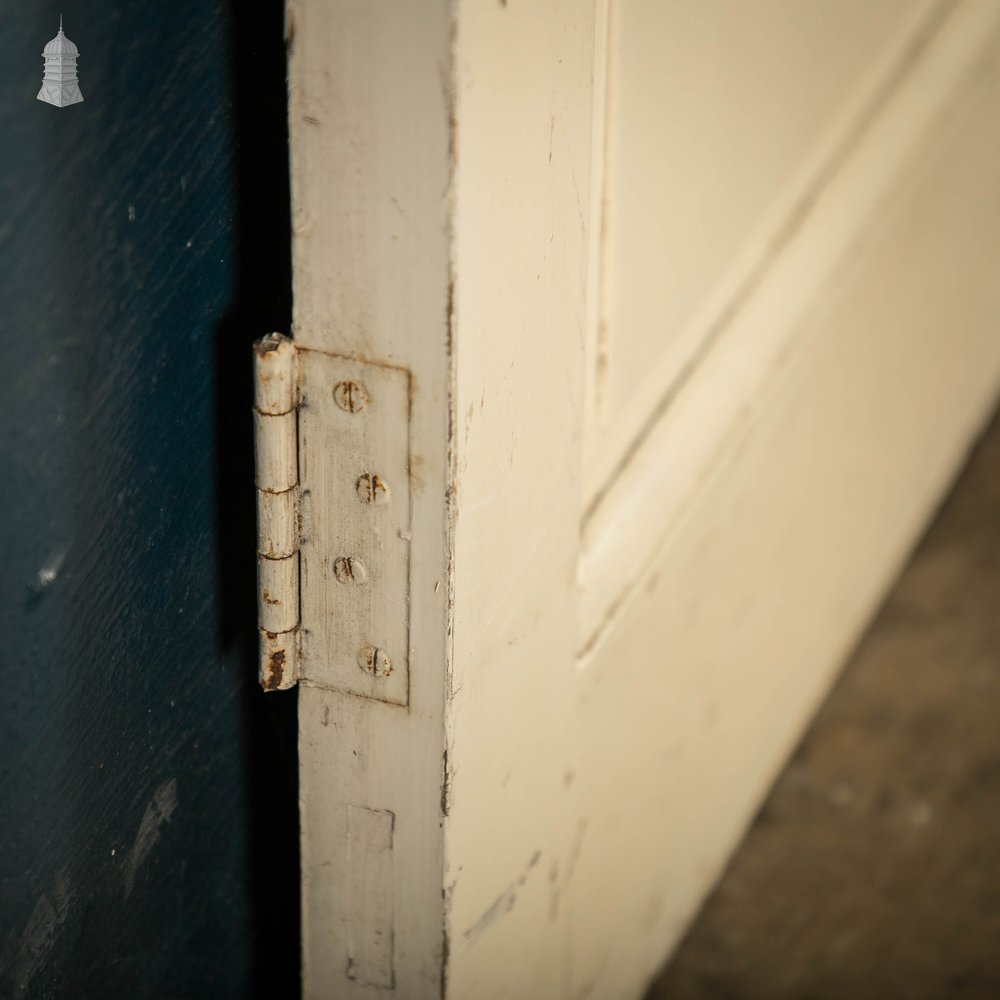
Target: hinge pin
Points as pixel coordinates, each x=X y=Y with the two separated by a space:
x=276 y=445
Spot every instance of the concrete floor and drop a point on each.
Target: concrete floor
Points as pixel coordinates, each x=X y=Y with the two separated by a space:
x=873 y=870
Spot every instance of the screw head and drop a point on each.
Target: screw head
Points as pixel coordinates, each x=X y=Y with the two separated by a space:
x=374 y=661
x=372 y=488
x=349 y=569
x=350 y=395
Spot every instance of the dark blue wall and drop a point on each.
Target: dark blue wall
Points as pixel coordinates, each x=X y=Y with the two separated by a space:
x=147 y=788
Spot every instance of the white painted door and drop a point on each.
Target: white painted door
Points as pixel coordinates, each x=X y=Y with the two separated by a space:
x=694 y=309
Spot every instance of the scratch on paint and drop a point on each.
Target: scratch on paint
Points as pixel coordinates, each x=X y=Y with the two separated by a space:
x=158 y=812
x=25 y=954
x=504 y=903
x=574 y=854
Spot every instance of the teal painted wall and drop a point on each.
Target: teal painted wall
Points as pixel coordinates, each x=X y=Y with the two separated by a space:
x=148 y=829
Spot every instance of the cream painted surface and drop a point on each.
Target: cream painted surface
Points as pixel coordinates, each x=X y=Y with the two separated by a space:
x=724 y=118
x=719 y=656
x=535 y=823
x=666 y=736
x=520 y=259
x=369 y=109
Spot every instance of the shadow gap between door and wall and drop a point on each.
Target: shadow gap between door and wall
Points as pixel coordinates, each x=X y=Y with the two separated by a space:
x=262 y=303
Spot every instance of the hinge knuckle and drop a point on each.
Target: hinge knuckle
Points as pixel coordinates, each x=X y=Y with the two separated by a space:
x=277 y=463
x=274 y=365
x=278 y=593
x=277 y=477
x=278 y=523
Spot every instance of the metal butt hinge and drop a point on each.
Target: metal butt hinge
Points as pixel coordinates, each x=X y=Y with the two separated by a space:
x=278 y=505
x=334 y=521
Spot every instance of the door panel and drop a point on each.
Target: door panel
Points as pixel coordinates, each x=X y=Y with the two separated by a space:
x=605 y=670
x=747 y=609
x=721 y=118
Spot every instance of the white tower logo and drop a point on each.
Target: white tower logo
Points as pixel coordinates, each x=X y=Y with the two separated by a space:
x=59 y=85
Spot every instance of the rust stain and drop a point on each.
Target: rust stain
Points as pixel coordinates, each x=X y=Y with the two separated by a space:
x=268 y=599
x=372 y=488
x=275 y=671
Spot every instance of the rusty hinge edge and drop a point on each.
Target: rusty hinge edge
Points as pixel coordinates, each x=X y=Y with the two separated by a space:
x=278 y=509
